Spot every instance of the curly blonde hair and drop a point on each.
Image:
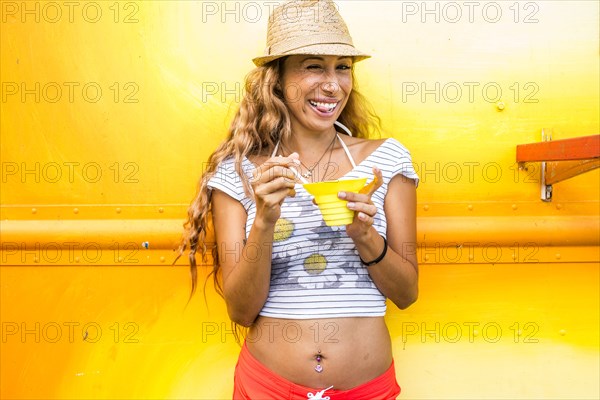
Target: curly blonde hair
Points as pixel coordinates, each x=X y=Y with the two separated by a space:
x=260 y=122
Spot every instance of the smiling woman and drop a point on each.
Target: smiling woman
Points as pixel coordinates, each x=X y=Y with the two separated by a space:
x=312 y=273
x=111 y=108
x=316 y=89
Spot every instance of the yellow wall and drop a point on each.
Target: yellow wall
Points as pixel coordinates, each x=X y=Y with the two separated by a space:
x=509 y=294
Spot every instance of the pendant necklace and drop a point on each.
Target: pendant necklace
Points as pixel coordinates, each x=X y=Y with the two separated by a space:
x=309 y=171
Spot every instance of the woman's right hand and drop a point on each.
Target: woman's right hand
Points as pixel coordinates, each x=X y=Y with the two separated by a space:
x=272 y=182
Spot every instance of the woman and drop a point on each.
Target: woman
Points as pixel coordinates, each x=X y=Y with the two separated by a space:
x=313 y=296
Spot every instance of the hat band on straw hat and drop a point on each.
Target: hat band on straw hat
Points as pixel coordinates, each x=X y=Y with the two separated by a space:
x=308 y=40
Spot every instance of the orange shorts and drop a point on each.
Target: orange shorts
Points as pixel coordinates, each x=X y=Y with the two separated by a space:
x=254 y=381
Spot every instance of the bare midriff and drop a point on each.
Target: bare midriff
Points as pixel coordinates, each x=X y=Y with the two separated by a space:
x=350 y=351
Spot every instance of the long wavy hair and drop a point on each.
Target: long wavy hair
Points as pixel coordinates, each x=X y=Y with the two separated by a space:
x=260 y=122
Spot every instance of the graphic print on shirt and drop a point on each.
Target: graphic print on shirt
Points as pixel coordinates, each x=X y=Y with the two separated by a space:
x=312 y=255
x=315 y=269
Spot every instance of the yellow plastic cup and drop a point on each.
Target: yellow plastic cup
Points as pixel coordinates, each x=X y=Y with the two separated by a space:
x=333 y=209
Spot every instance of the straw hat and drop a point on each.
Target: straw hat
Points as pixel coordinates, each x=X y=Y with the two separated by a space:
x=307 y=27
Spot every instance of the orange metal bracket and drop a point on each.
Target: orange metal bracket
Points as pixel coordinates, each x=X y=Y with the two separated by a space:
x=561 y=159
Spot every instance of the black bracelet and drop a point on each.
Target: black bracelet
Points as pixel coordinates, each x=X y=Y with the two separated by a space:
x=375 y=261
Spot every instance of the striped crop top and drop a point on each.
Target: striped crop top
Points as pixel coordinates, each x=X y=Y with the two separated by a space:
x=315 y=269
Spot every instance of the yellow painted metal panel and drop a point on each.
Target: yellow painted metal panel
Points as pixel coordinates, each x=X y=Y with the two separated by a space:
x=478 y=331
x=109 y=110
x=127 y=111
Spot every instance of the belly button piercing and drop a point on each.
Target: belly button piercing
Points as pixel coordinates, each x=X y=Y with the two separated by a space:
x=319 y=368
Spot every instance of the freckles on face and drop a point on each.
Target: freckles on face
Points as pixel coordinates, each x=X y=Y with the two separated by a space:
x=316 y=88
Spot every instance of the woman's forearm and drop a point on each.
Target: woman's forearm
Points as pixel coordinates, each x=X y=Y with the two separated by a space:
x=247 y=286
x=394 y=275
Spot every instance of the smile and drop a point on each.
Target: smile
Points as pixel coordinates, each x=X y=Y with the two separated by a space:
x=323 y=107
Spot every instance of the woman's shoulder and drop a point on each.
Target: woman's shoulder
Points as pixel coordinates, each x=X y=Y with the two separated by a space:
x=362 y=148
x=228 y=170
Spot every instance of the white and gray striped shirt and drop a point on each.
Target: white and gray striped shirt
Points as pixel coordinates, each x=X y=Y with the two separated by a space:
x=315 y=269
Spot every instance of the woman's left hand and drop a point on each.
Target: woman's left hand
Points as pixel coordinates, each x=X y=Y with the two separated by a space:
x=364 y=208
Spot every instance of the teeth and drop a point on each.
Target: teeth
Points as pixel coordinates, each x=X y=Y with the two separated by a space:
x=330 y=106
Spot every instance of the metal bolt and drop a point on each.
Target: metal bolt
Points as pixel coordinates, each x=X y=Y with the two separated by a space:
x=500 y=105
